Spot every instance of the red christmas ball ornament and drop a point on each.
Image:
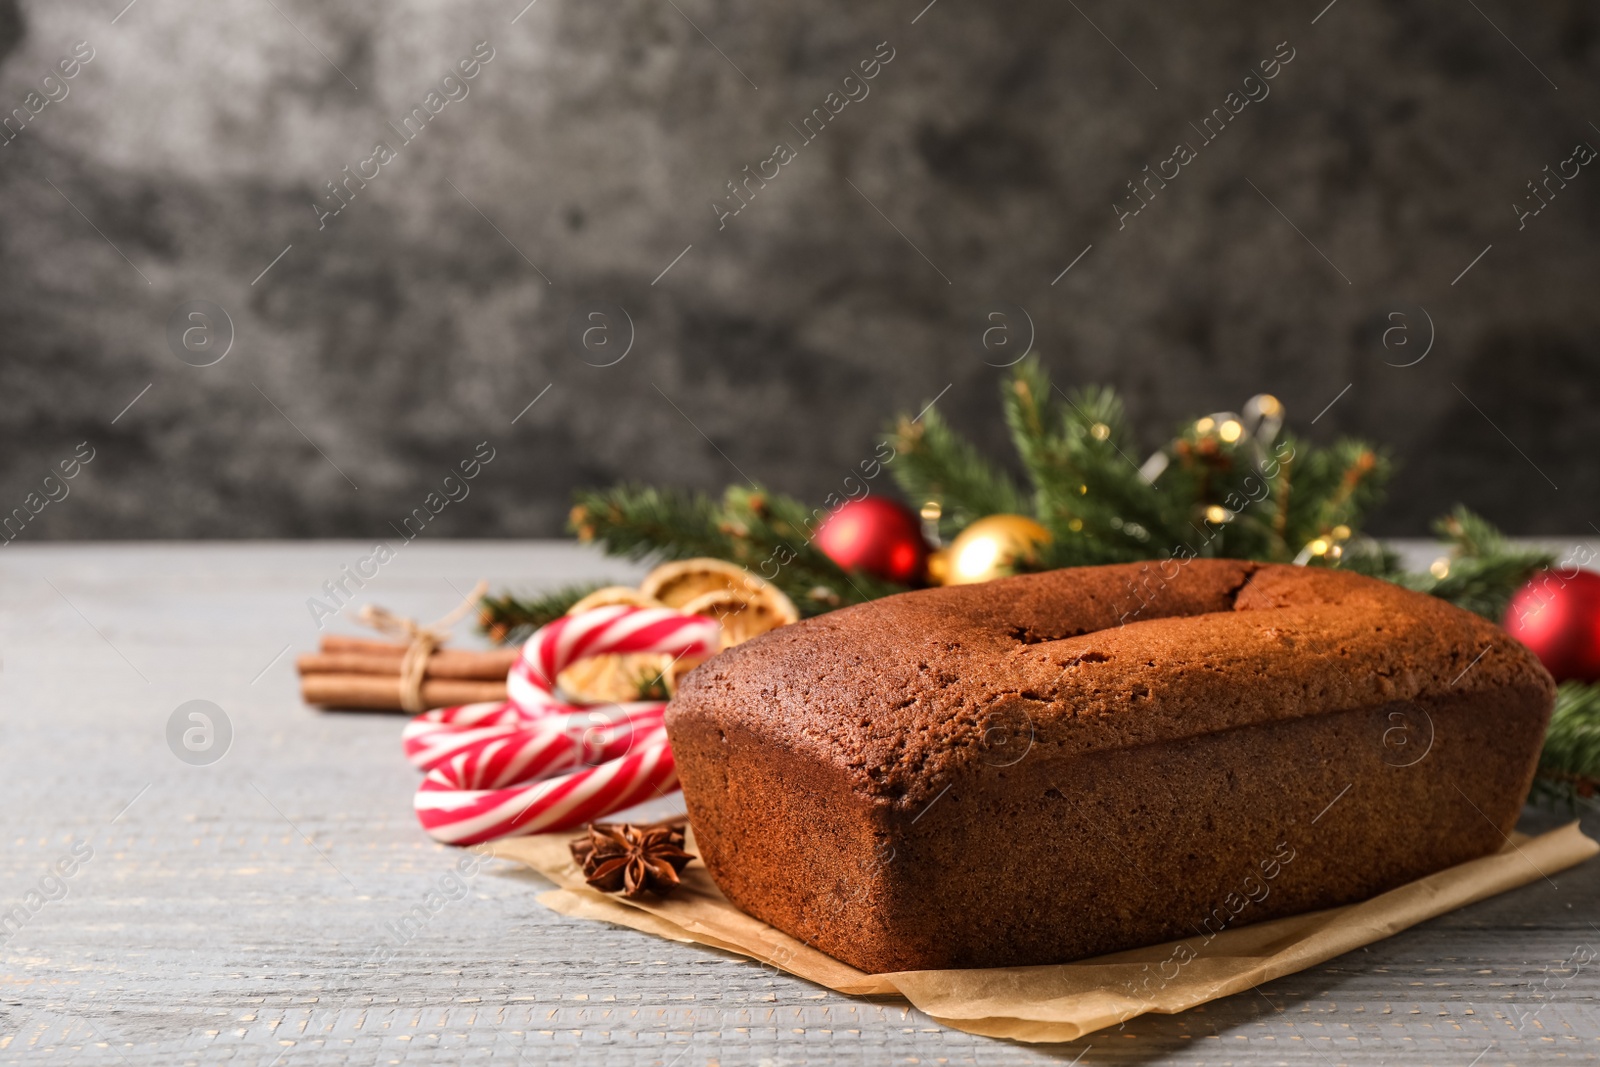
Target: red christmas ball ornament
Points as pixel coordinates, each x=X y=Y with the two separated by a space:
x=878 y=536
x=1557 y=615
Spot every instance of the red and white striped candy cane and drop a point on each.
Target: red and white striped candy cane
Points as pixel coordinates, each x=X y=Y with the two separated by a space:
x=535 y=763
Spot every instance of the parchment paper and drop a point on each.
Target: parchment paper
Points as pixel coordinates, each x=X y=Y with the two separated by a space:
x=1065 y=1001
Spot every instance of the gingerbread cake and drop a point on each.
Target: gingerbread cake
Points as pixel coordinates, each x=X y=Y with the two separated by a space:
x=1059 y=765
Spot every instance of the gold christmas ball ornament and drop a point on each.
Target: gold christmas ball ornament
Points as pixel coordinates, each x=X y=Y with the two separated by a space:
x=990 y=547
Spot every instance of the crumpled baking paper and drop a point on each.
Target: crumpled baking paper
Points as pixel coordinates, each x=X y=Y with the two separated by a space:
x=1060 y=1002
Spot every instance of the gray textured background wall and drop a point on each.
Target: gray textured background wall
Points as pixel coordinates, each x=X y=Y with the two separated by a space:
x=379 y=350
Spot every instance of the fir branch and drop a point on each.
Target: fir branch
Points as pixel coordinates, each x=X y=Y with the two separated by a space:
x=1482 y=585
x=1112 y=498
x=774 y=535
x=1569 y=767
x=640 y=521
x=934 y=463
x=1334 y=486
x=1086 y=490
x=1223 y=495
x=1025 y=399
x=768 y=534
x=509 y=619
x=1470 y=534
x=1484 y=569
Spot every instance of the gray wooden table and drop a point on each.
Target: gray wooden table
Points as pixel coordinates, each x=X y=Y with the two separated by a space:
x=229 y=911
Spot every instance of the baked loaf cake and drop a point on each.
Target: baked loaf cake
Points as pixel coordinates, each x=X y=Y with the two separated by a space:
x=1054 y=766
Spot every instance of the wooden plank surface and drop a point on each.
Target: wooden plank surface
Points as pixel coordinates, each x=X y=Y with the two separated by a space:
x=230 y=912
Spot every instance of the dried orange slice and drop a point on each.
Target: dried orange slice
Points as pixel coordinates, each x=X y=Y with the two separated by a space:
x=617 y=677
x=741 y=617
x=614 y=594
x=742 y=614
x=682 y=582
x=742 y=603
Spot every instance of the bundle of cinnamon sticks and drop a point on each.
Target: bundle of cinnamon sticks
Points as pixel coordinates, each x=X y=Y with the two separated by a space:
x=355 y=672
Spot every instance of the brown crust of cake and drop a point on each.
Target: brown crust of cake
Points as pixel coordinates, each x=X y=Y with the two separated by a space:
x=1058 y=765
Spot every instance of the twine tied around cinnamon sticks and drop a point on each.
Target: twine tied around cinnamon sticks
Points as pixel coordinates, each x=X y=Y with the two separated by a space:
x=421 y=641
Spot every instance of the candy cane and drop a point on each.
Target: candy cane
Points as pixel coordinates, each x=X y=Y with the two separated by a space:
x=536 y=763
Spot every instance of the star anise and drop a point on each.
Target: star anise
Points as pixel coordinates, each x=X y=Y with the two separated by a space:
x=630 y=859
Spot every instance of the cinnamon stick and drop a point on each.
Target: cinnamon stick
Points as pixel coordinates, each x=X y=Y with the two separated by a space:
x=453 y=663
x=345 y=643
x=381 y=692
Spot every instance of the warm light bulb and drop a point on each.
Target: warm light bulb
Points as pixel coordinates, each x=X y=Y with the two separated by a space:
x=1100 y=431
x=931 y=511
x=1440 y=568
x=1341 y=533
x=1230 y=431
x=1318 y=547
x=1218 y=513
x=1205 y=425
